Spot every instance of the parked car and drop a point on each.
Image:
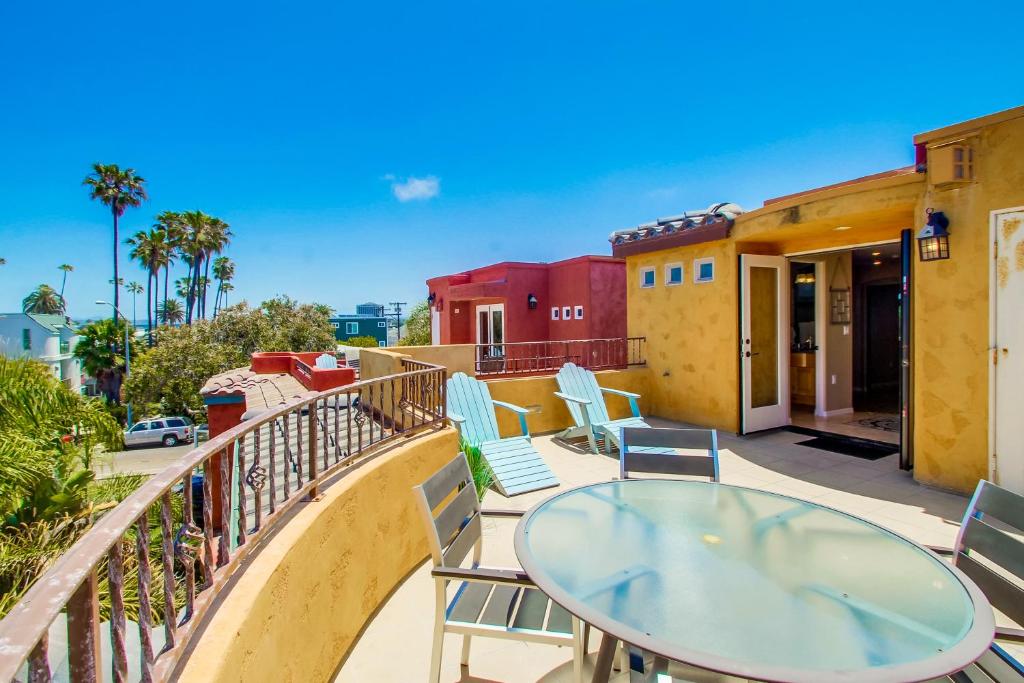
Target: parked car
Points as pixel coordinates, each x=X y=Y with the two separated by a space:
x=169 y=431
x=202 y=433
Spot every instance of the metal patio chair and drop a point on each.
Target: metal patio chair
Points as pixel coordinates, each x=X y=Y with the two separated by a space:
x=656 y=451
x=992 y=532
x=488 y=601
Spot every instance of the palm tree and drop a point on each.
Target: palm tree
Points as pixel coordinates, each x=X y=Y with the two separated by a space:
x=218 y=237
x=223 y=271
x=43 y=299
x=174 y=229
x=224 y=289
x=204 y=236
x=134 y=288
x=118 y=190
x=66 y=268
x=171 y=312
x=181 y=286
x=3 y=261
x=100 y=353
x=147 y=249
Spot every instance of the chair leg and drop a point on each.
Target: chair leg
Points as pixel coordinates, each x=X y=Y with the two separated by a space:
x=593 y=442
x=465 y=651
x=579 y=649
x=435 y=652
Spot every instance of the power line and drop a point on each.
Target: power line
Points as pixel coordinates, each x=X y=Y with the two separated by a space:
x=396 y=313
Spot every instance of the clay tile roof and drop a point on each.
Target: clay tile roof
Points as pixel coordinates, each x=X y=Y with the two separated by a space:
x=260 y=390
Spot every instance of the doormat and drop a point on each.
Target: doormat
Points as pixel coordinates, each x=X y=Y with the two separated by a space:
x=885 y=423
x=858 y=448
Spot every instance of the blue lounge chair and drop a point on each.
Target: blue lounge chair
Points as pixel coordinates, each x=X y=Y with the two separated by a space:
x=585 y=400
x=515 y=464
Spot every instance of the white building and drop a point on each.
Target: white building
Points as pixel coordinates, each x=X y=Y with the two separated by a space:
x=46 y=338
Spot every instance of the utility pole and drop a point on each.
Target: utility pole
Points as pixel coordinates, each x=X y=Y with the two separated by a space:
x=396 y=311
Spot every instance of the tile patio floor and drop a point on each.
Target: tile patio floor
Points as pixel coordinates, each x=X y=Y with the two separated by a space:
x=396 y=645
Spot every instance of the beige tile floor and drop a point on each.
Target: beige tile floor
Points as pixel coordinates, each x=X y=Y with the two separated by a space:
x=847 y=425
x=396 y=645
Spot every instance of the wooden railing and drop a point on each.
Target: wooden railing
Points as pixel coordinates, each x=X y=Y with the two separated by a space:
x=535 y=358
x=162 y=556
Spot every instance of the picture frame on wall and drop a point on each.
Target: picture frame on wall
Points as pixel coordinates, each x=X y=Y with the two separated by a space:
x=839 y=306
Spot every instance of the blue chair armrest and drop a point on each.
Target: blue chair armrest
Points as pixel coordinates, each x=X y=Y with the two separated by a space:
x=574 y=399
x=633 y=406
x=521 y=412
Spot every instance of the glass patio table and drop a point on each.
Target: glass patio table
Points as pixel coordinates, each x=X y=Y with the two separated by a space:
x=751 y=583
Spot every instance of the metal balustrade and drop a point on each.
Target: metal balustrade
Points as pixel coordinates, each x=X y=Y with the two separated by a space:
x=536 y=358
x=162 y=556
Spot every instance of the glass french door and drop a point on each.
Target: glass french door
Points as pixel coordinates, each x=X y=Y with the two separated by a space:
x=765 y=343
x=490 y=330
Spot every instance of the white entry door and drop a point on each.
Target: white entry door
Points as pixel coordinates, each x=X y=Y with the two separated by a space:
x=1007 y=331
x=765 y=343
x=490 y=330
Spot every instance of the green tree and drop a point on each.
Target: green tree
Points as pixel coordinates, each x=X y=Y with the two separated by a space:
x=223 y=272
x=101 y=353
x=173 y=227
x=366 y=341
x=298 y=327
x=171 y=312
x=148 y=249
x=417 y=326
x=134 y=288
x=118 y=190
x=43 y=299
x=65 y=268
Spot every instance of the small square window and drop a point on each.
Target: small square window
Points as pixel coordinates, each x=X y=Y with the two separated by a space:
x=579 y=313
x=351 y=328
x=554 y=312
x=673 y=274
x=334 y=325
x=380 y=343
x=382 y=323
x=704 y=269
x=566 y=313
x=646 y=277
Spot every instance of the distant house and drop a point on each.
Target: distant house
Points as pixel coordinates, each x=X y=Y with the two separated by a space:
x=46 y=338
x=367 y=321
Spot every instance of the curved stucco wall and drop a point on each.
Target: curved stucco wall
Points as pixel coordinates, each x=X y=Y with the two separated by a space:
x=300 y=603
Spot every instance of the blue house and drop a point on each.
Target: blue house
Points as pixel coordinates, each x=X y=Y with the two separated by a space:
x=367 y=321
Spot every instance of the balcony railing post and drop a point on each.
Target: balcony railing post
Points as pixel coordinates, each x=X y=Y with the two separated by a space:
x=84 y=631
x=312 y=450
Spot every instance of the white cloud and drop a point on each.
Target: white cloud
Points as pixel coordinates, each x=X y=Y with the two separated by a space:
x=414 y=188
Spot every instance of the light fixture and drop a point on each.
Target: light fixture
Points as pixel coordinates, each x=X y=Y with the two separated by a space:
x=431 y=298
x=843 y=227
x=933 y=238
x=876 y=253
x=804 y=279
x=531 y=301
x=876 y=262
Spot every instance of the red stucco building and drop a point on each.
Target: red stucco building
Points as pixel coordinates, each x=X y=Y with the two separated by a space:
x=579 y=298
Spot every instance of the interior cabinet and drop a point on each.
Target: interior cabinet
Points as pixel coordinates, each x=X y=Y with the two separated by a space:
x=802 y=378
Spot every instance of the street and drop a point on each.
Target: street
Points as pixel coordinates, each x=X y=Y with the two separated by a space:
x=138 y=460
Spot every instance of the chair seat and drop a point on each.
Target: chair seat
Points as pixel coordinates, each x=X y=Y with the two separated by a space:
x=508 y=608
x=516 y=465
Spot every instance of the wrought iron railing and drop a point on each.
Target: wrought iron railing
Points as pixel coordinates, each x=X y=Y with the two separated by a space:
x=535 y=358
x=163 y=554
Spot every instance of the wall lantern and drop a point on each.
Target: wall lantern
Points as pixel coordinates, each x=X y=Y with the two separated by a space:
x=531 y=301
x=431 y=298
x=933 y=238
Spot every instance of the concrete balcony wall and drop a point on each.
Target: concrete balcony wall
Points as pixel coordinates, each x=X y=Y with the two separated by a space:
x=299 y=604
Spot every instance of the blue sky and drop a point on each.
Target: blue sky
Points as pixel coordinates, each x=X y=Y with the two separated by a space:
x=529 y=130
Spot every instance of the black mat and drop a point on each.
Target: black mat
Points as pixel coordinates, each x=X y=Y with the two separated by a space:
x=858 y=448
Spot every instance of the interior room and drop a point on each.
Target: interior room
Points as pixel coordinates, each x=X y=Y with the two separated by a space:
x=845 y=343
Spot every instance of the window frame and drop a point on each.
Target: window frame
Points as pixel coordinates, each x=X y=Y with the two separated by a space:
x=26 y=339
x=382 y=323
x=349 y=325
x=566 y=312
x=335 y=325
x=577 y=312
x=669 y=282
x=556 y=313
x=697 y=264
x=654 y=277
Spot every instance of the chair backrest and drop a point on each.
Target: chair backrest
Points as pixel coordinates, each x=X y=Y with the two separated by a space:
x=451 y=513
x=992 y=512
x=471 y=399
x=326 y=361
x=652 y=451
x=581 y=383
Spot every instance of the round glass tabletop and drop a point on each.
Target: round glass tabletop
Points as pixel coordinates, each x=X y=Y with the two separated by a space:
x=752 y=583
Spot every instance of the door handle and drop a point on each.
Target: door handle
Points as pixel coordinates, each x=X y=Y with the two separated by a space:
x=755 y=353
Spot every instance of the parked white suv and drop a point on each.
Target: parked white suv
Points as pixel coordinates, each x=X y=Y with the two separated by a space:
x=169 y=431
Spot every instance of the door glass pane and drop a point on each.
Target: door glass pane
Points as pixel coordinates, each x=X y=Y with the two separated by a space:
x=498 y=326
x=764 y=350
x=483 y=336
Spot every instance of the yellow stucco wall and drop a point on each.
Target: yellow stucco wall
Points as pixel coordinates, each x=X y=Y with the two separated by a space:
x=301 y=601
x=692 y=335
x=951 y=312
x=549 y=412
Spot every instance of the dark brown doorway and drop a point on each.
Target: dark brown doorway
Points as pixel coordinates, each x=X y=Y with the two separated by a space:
x=883 y=341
